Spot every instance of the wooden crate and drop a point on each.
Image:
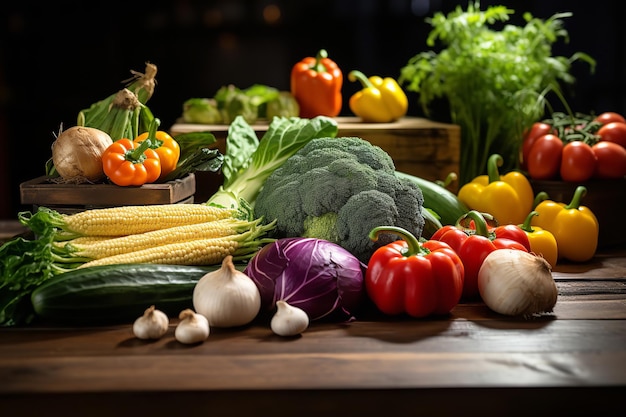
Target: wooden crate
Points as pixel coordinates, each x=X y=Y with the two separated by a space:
x=418 y=146
x=43 y=191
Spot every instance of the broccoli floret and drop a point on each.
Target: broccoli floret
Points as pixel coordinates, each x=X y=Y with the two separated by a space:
x=339 y=189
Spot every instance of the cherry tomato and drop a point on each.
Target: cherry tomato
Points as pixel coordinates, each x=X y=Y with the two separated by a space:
x=544 y=158
x=609 y=117
x=613 y=132
x=611 y=160
x=578 y=162
x=536 y=130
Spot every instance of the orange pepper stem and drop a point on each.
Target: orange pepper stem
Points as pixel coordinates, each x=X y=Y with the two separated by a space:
x=526 y=225
x=152 y=130
x=576 y=199
x=414 y=246
x=494 y=162
x=318 y=66
x=136 y=155
x=358 y=75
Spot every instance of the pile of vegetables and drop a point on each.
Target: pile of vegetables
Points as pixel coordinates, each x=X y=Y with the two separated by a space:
x=270 y=256
x=258 y=102
x=495 y=81
x=116 y=140
x=309 y=225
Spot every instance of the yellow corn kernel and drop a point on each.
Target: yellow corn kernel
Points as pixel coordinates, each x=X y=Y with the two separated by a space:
x=177 y=234
x=193 y=252
x=127 y=220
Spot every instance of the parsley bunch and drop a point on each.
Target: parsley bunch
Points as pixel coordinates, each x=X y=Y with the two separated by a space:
x=495 y=81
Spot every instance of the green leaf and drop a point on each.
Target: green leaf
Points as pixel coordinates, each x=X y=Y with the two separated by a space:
x=494 y=81
x=283 y=138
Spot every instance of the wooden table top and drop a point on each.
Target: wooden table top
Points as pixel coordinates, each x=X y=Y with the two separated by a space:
x=471 y=363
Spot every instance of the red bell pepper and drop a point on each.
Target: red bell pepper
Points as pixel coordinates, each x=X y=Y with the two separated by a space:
x=419 y=279
x=507 y=231
x=474 y=243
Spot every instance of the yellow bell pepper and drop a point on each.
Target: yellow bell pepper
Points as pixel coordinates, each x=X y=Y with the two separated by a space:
x=542 y=242
x=381 y=100
x=574 y=227
x=508 y=198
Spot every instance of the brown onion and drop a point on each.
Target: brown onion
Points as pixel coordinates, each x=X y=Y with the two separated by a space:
x=77 y=153
x=517 y=283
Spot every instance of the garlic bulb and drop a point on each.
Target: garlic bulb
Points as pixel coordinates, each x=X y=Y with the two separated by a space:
x=152 y=325
x=517 y=283
x=192 y=328
x=288 y=320
x=227 y=297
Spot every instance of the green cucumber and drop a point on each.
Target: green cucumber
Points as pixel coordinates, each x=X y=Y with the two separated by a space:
x=431 y=223
x=117 y=293
x=439 y=199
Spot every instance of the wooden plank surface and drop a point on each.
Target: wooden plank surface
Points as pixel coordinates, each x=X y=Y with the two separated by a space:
x=572 y=361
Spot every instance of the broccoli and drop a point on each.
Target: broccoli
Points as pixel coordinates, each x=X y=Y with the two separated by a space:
x=338 y=190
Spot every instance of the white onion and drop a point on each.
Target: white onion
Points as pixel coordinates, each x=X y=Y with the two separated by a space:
x=517 y=283
x=77 y=153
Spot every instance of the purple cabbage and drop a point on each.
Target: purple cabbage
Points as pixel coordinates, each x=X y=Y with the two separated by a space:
x=318 y=276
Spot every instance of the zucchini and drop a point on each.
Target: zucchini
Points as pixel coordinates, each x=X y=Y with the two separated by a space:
x=117 y=293
x=437 y=198
x=431 y=223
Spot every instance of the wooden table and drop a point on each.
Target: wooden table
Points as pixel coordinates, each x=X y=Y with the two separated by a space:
x=472 y=363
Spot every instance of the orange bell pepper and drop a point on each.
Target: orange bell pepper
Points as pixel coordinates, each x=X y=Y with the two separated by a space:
x=128 y=164
x=508 y=198
x=316 y=85
x=164 y=145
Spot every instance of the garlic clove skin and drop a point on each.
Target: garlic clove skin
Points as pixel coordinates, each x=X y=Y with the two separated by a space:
x=227 y=297
x=288 y=320
x=517 y=283
x=192 y=328
x=152 y=325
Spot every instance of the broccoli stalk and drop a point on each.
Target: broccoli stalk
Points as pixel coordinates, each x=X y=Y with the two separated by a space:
x=248 y=165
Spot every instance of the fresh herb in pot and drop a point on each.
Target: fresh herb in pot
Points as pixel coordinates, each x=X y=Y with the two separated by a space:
x=495 y=82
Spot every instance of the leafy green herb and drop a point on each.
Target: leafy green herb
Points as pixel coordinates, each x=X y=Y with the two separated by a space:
x=495 y=82
x=26 y=263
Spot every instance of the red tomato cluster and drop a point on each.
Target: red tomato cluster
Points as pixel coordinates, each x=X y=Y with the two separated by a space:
x=593 y=149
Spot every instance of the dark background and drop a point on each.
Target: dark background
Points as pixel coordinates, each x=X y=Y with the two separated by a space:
x=57 y=58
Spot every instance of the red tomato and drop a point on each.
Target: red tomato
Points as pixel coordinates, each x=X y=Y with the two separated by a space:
x=611 y=160
x=613 y=132
x=544 y=158
x=578 y=162
x=608 y=117
x=536 y=130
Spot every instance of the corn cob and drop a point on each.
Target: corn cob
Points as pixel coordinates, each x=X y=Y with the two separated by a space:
x=209 y=251
x=115 y=246
x=121 y=114
x=81 y=241
x=143 y=84
x=118 y=115
x=124 y=220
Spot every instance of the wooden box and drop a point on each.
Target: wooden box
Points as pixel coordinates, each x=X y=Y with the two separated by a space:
x=42 y=191
x=418 y=146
